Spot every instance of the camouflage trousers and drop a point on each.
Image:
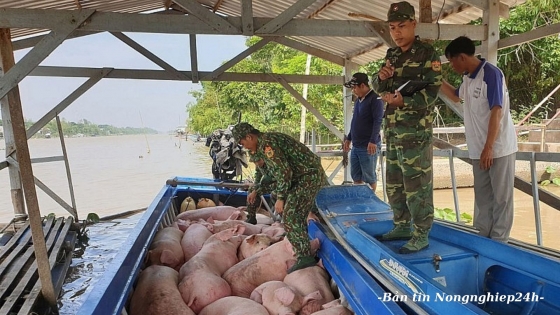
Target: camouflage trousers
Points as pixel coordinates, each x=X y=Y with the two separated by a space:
x=410 y=181
x=299 y=202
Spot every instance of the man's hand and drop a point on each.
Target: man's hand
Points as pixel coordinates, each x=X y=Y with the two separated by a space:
x=486 y=159
x=346 y=146
x=394 y=100
x=371 y=148
x=386 y=71
x=279 y=206
x=251 y=197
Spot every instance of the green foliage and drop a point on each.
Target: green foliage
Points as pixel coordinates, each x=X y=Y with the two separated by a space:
x=92 y=218
x=448 y=214
x=86 y=128
x=553 y=180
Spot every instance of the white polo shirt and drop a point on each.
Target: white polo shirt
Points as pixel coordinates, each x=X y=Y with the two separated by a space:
x=481 y=91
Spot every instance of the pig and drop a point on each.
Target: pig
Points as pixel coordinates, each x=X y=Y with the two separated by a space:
x=270 y=264
x=201 y=282
x=188 y=204
x=217 y=213
x=205 y=203
x=234 y=305
x=309 y=280
x=263 y=219
x=166 y=249
x=252 y=245
x=157 y=294
x=217 y=226
x=276 y=231
x=281 y=299
x=333 y=308
x=193 y=239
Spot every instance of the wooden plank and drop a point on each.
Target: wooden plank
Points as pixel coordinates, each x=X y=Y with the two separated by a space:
x=4 y=250
x=31 y=298
x=27 y=278
x=16 y=255
x=284 y=17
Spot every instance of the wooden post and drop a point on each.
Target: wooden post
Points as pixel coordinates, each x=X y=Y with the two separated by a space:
x=15 y=180
x=26 y=171
x=425 y=15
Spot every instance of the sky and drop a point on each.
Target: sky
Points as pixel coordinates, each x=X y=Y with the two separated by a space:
x=160 y=105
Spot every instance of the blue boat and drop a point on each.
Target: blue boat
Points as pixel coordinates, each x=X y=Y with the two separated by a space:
x=110 y=294
x=459 y=273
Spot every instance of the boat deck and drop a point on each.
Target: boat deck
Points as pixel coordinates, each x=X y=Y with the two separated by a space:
x=20 y=288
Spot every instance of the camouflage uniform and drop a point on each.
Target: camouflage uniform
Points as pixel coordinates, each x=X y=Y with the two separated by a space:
x=299 y=176
x=263 y=184
x=408 y=135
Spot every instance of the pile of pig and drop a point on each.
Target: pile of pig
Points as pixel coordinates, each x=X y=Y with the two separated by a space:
x=210 y=262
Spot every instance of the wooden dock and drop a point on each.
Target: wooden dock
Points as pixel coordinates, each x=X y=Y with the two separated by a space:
x=20 y=288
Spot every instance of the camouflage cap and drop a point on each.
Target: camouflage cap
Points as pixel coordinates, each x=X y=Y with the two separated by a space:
x=401 y=11
x=241 y=130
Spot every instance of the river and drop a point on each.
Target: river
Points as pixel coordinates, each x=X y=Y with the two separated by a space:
x=121 y=173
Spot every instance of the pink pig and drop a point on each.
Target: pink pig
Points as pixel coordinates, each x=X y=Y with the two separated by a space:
x=218 y=213
x=252 y=245
x=195 y=236
x=281 y=299
x=156 y=293
x=234 y=305
x=309 y=280
x=166 y=248
x=333 y=308
x=201 y=282
x=267 y=265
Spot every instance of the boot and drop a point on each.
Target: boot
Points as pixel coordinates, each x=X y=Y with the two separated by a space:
x=418 y=242
x=303 y=262
x=251 y=218
x=400 y=231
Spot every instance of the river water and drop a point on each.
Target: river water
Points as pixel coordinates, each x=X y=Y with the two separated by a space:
x=121 y=173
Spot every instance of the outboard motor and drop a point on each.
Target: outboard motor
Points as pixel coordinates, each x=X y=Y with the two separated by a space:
x=227 y=159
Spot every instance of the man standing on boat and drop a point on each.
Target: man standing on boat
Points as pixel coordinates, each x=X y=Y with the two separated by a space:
x=263 y=184
x=364 y=131
x=299 y=176
x=408 y=128
x=491 y=138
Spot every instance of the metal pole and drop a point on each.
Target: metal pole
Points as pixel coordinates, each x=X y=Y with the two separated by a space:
x=454 y=185
x=536 y=204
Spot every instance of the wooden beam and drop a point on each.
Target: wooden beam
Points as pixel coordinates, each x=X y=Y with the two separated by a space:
x=194 y=58
x=204 y=15
x=425 y=14
x=235 y=60
x=188 y=24
x=284 y=17
x=217 y=6
x=321 y=9
x=247 y=26
x=148 y=54
x=309 y=107
x=73 y=72
x=42 y=50
x=382 y=32
x=309 y=50
x=50 y=115
x=15 y=115
x=483 y=5
x=514 y=40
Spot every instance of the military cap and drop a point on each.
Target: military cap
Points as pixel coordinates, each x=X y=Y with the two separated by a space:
x=241 y=130
x=400 y=11
x=357 y=79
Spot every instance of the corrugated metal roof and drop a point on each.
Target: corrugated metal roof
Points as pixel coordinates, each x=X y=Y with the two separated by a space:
x=358 y=50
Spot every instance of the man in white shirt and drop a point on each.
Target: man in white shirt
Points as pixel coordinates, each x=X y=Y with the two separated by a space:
x=491 y=137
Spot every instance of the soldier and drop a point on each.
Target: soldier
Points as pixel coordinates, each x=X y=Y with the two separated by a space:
x=299 y=175
x=408 y=128
x=263 y=184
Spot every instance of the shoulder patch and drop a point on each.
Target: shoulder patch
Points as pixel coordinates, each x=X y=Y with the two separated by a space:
x=436 y=65
x=268 y=152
